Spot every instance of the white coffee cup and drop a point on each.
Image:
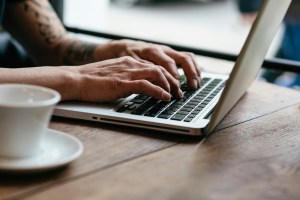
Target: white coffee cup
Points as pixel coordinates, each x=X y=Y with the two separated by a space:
x=25 y=112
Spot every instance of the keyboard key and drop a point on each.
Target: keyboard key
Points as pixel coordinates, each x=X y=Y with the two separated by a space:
x=178 y=117
x=193 y=104
x=139 y=99
x=178 y=103
x=206 y=101
x=188 y=119
x=189 y=106
x=169 y=112
x=201 y=106
x=192 y=115
x=145 y=107
x=198 y=109
x=183 y=113
x=186 y=109
x=156 y=109
x=164 y=116
x=122 y=109
x=205 y=79
x=195 y=112
x=132 y=107
x=125 y=107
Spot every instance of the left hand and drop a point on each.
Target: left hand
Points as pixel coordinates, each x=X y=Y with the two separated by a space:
x=165 y=57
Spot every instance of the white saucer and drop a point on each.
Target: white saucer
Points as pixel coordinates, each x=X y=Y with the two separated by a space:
x=57 y=150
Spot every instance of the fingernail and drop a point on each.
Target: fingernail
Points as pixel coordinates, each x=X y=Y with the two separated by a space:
x=195 y=84
x=180 y=94
x=179 y=84
x=166 y=96
x=167 y=89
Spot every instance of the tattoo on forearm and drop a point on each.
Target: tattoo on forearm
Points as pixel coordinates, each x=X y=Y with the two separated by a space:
x=48 y=24
x=79 y=53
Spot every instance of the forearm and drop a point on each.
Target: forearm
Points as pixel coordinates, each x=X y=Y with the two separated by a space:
x=97 y=82
x=60 y=79
x=77 y=52
x=36 y=26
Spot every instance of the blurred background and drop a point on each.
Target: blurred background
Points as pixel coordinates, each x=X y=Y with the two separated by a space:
x=218 y=25
x=209 y=24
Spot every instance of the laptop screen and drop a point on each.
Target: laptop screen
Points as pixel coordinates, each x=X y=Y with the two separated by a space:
x=251 y=57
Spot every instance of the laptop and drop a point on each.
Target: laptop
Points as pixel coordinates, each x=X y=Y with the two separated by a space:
x=200 y=111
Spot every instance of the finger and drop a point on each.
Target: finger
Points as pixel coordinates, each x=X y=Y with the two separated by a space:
x=195 y=62
x=193 y=57
x=169 y=69
x=174 y=84
x=188 y=66
x=147 y=88
x=136 y=57
x=154 y=74
x=158 y=57
x=163 y=79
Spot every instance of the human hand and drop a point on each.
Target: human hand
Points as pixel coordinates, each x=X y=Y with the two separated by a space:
x=165 y=57
x=99 y=82
x=117 y=78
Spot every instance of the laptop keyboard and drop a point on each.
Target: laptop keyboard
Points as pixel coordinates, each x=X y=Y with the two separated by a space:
x=185 y=109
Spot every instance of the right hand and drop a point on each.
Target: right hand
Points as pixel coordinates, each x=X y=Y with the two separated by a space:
x=117 y=78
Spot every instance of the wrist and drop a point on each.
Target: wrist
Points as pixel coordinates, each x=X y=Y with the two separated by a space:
x=69 y=83
x=111 y=50
x=77 y=52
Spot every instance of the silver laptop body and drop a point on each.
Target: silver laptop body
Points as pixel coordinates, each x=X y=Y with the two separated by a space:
x=209 y=109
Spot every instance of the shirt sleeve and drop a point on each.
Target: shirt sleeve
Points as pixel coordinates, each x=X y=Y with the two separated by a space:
x=249 y=6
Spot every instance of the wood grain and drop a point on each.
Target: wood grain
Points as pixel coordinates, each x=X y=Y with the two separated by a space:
x=261 y=98
x=258 y=159
x=107 y=146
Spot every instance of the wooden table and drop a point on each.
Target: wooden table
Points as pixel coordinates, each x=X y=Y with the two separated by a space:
x=253 y=154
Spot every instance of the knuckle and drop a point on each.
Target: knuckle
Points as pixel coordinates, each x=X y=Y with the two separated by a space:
x=116 y=83
x=142 y=84
x=185 y=59
x=128 y=59
x=164 y=70
x=169 y=63
x=150 y=49
x=139 y=86
x=157 y=70
x=146 y=50
x=165 y=47
x=189 y=54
